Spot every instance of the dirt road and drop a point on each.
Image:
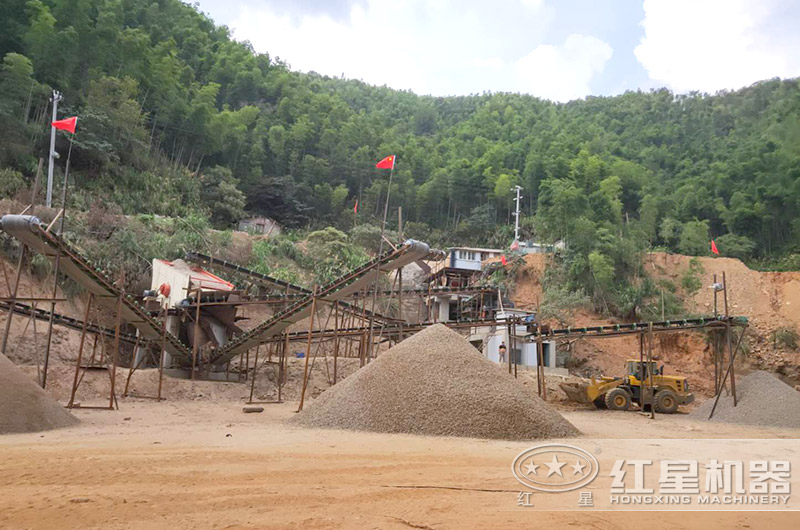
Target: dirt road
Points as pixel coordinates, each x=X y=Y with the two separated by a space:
x=208 y=465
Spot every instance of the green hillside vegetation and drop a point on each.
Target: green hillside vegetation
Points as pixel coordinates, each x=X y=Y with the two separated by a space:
x=179 y=120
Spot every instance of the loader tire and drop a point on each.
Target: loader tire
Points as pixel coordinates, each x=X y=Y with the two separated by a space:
x=666 y=402
x=618 y=399
x=600 y=402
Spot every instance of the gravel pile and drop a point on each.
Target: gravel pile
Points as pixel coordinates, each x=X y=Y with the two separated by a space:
x=436 y=383
x=24 y=406
x=763 y=400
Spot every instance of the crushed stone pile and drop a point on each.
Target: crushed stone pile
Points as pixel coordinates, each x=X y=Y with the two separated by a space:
x=24 y=406
x=436 y=383
x=763 y=400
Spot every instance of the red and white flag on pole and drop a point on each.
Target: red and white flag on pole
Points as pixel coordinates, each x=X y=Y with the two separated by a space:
x=714 y=248
x=67 y=124
x=386 y=163
x=355 y=208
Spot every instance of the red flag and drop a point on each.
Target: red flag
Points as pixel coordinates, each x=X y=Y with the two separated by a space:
x=503 y=260
x=67 y=124
x=355 y=208
x=386 y=163
x=714 y=248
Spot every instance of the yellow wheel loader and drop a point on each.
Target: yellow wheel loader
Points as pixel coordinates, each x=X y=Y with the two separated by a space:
x=617 y=393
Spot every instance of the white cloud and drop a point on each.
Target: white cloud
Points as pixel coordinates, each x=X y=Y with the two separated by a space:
x=565 y=71
x=717 y=44
x=439 y=47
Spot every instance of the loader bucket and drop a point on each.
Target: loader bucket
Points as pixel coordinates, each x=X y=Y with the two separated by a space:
x=576 y=392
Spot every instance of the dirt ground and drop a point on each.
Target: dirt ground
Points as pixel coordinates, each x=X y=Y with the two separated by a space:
x=187 y=465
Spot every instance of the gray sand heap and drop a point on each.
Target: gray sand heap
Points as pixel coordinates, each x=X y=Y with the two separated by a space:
x=763 y=400
x=24 y=406
x=436 y=383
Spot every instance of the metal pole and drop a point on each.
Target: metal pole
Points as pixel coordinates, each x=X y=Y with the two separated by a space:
x=729 y=338
x=377 y=265
x=163 y=351
x=650 y=370
x=51 y=158
x=255 y=371
x=196 y=334
x=517 y=189
x=308 y=348
x=116 y=347
x=730 y=367
x=133 y=367
x=641 y=370
x=56 y=265
x=336 y=339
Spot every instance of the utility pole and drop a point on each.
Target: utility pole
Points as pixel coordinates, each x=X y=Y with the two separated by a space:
x=53 y=155
x=517 y=189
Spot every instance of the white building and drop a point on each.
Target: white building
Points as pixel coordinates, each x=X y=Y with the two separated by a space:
x=470 y=258
x=260 y=225
x=489 y=338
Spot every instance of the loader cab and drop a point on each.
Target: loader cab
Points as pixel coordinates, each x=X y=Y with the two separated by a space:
x=634 y=368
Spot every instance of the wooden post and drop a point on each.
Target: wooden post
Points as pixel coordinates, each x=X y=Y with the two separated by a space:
x=308 y=348
x=80 y=351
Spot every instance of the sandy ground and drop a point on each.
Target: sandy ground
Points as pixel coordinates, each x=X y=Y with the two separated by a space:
x=182 y=465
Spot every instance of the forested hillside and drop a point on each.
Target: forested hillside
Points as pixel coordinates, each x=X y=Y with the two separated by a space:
x=176 y=116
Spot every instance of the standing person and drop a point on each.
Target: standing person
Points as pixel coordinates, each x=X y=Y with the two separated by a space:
x=502 y=351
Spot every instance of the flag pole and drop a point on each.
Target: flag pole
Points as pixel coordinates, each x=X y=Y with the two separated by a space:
x=377 y=266
x=56 y=263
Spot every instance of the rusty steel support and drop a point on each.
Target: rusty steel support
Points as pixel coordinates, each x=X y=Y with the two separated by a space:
x=308 y=348
x=335 y=340
x=255 y=372
x=80 y=351
x=133 y=367
x=115 y=353
x=196 y=334
x=729 y=338
x=162 y=352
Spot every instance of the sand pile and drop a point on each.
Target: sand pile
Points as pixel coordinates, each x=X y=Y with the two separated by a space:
x=436 y=383
x=24 y=406
x=763 y=399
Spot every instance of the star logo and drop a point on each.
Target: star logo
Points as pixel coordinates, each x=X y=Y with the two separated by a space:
x=577 y=468
x=554 y=466
x=531 y=468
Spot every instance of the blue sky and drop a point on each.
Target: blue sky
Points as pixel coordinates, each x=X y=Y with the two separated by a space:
x=554 y=49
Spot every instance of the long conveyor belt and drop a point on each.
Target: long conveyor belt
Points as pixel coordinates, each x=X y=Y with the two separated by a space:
x=289 y=288
x=30 y=231
x=63 y=320
x=337 y=290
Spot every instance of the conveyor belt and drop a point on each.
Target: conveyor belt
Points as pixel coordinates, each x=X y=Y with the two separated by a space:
x=291 y=290
x=30 y=231
x=339 y=289
x=63 y=320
